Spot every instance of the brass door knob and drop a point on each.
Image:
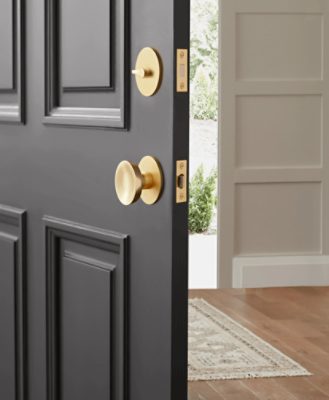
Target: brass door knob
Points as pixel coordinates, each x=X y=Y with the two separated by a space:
x=143 y=181
x=148 y=71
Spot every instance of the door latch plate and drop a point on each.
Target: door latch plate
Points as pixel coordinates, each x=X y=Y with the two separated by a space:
x=182 y=71
x=181 y=181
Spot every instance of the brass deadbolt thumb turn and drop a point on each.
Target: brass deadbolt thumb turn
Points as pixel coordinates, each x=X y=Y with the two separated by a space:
x=143 y=181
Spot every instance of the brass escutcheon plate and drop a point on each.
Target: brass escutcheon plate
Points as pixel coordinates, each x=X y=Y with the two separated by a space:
x=148 y=71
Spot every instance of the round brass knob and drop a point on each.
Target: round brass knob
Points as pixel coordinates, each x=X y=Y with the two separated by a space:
x=139 y=181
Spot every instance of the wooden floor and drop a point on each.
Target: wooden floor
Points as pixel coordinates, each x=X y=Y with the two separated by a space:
x=296 y=321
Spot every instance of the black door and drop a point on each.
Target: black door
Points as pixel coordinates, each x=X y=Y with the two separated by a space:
x=93 y=293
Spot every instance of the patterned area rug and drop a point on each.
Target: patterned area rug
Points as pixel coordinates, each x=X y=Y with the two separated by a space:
x=220 y=348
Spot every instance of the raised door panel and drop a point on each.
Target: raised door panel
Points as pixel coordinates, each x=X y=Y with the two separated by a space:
x=85 y=304
x=7 y=312
x=86 y=297
x=11 y=61
x=12 y=304
x=85 y=72
x=6 y=45
x=85 y=44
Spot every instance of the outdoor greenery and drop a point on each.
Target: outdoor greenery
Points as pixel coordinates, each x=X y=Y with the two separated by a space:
x=204 y=59
x=204 y=104
x=202 y=200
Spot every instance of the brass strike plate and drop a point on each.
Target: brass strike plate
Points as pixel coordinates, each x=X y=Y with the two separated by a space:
x=181 y=181
x=182 y=70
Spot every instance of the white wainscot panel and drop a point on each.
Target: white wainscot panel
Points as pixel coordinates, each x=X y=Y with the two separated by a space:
x=278 y=219
x=279 y=131
x=279 y=46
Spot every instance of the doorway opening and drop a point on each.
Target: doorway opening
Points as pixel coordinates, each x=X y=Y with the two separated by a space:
x=203 y=228
x=261 y=332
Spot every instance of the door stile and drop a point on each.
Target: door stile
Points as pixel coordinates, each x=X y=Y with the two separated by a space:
x=180 y=214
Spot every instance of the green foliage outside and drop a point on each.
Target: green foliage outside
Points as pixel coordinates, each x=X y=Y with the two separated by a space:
x=204 y=104
x=202 y=200
x=204 y=59
x=204 y=101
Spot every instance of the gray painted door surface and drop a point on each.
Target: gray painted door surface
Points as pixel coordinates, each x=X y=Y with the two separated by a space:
x=93 y=294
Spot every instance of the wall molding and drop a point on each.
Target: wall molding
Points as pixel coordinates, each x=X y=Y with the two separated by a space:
x=280 y=271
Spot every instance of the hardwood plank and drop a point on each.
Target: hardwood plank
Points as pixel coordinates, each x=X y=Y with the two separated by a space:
x=320 y=382
x=203 y=391
x=268 y=389
x=233 y=390
x=302 y=389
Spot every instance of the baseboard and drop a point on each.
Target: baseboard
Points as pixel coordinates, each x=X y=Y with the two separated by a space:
x=256 y=272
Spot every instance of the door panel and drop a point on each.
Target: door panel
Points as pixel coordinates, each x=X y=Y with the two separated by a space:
x=11 y=61
x=274 y=136
x=12 y=304
x=7 y=45
x=104 y=321
x=86 y=45
x=87 y=311
x=86 y=25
